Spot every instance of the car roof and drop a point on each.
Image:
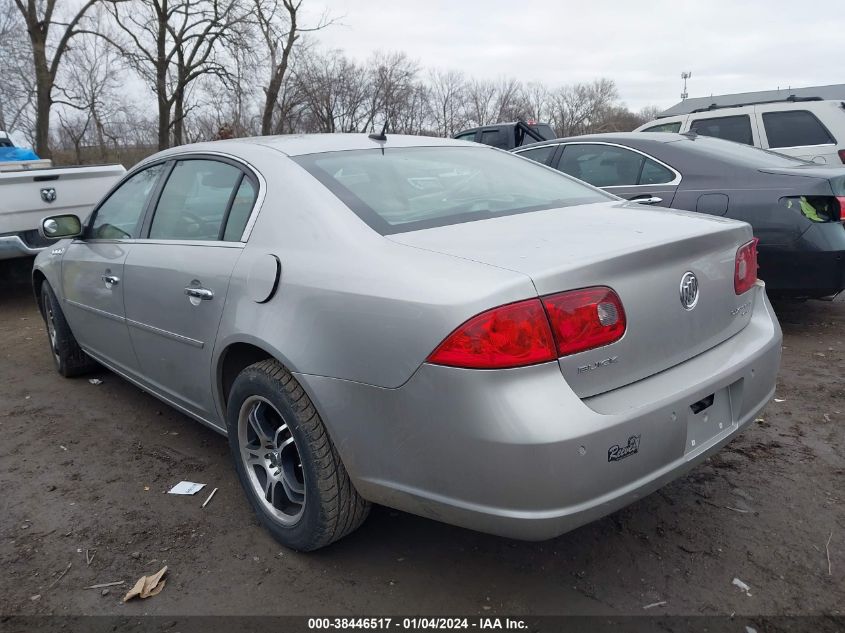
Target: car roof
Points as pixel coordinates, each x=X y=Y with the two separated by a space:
x=627 y=138
x=301 y=144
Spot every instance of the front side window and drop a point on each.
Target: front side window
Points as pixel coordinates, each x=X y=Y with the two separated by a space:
x=119 y=217
x=406 y=189
x=795 y=128
x=194 y=201
x=602 y=165
x=730 y=128
x=664 y=127
x=540 y=155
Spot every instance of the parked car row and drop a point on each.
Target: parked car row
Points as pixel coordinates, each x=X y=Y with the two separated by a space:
x=708 y=159
x=429 y=324
x=501 y=341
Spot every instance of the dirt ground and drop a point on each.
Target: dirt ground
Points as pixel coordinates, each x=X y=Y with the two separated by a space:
x=85 y=467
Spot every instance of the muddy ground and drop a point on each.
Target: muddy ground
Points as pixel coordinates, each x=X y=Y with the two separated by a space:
x=85 y=467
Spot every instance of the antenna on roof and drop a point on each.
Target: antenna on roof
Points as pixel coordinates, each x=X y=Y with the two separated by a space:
x=381 y=136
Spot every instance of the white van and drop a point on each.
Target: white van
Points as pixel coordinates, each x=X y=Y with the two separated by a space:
x=804 y=127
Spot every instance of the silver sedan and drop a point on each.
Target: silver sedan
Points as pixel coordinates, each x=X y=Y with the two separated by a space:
x=429 y=324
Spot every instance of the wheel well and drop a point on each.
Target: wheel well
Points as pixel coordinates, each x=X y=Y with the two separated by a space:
x=236 y=358
x=38 y=280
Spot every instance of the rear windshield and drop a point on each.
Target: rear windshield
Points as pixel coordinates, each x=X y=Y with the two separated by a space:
x=737 y=153
x=405 y=189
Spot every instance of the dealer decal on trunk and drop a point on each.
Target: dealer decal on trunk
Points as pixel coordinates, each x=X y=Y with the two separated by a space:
x=616 y=452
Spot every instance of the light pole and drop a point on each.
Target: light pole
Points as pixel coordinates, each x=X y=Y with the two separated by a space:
x=685 y=76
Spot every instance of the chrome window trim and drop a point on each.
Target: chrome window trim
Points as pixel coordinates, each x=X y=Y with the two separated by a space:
x=673 y=183
x=253 y=216
x=520 y=150
x=201 y=243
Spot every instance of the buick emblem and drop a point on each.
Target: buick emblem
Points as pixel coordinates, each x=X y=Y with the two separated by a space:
x=689 y=290
x=48 y=194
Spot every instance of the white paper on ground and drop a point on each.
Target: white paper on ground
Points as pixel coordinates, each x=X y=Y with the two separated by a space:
x=186 y=488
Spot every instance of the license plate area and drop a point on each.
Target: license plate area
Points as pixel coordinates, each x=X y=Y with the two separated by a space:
x=708 y=417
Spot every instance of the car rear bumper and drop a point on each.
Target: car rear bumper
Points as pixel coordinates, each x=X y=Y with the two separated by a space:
x=12 y=246
x=517 y=453
x=814 y=267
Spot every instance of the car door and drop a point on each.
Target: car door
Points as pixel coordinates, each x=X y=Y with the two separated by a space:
x=177 y=276
x=622 y=171
x=93 y=271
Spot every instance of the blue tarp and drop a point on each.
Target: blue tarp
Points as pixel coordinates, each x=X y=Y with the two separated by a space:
x=16 y=153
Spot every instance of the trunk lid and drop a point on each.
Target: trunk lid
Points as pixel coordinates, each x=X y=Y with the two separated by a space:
x=640 y=252
x=834 y=175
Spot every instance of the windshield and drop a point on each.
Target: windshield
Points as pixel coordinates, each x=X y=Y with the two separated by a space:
x=406 y=189
x=739 y=154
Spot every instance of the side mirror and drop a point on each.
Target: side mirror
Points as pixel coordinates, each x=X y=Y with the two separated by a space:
x=60 y=226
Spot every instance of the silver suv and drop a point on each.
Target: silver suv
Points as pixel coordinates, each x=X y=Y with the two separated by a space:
x=808 y=127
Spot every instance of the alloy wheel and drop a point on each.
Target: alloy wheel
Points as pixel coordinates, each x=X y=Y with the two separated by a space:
x=271 y=460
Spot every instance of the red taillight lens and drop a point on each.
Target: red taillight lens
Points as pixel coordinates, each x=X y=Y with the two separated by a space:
x=585 y=319
x=513 y=335
x=745 y=269
x=842 y=155
x=841 y=200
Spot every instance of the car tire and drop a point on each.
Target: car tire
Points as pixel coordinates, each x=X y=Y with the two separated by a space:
x=291 y=471
x=69 y=358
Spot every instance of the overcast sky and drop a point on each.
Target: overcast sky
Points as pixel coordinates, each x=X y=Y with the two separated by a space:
x=729 y=45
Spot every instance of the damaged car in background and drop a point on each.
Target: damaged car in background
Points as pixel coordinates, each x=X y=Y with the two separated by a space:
x=796 y=208
x=433 y=325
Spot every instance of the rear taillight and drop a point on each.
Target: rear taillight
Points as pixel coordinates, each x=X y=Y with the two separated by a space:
x=842 y=155
x=535 y=331
x=745 y=268
x=841 y=200
x=513 y=335
x=585 y=319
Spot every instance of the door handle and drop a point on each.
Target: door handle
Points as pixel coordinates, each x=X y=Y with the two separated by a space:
x=647 y=200
x=200 y=293
x=110 y=280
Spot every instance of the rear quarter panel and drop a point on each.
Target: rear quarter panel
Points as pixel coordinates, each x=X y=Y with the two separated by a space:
x=350 y=304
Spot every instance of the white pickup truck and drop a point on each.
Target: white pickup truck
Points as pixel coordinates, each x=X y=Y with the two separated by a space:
x=33 y=189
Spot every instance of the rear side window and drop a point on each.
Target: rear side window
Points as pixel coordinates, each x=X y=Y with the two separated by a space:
x=664 y=127
x=655 y=174
x=195 y=200
x=241 y=209
x=602 y=165
x=469 y=136
x=795 y=128
x=494 y=138
x=730 y=128
x=539 y=154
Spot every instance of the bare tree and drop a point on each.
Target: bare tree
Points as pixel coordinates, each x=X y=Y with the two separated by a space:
x=171 y=44
x=18 y=93
x=576 y=108
x=278 y=24
x=91 y=84
x=390 y=90
x=47 y=54
x=447 y=95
